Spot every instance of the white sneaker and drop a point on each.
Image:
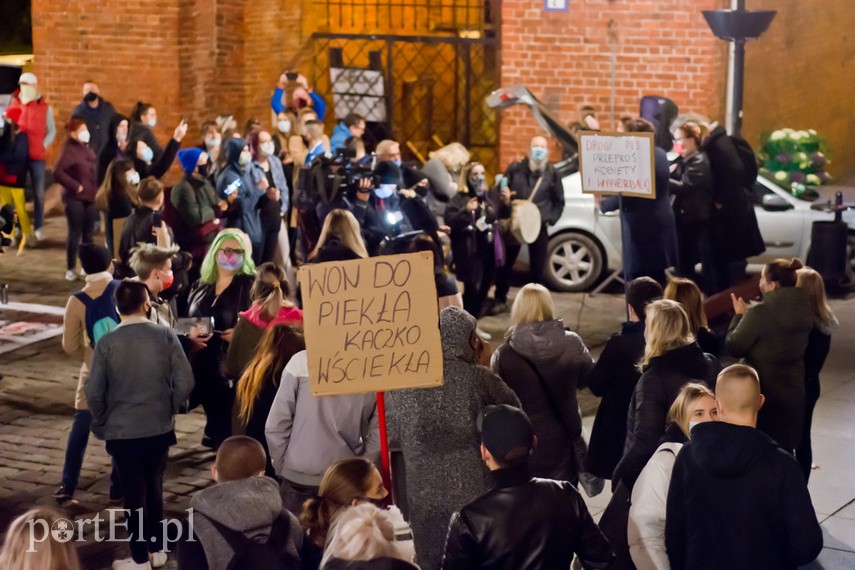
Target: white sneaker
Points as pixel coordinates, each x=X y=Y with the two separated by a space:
x=70 y=275
x=129 y=564
x=40 y=234
x=157 y=559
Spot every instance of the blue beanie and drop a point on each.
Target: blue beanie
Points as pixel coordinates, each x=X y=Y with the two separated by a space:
x=189 y=158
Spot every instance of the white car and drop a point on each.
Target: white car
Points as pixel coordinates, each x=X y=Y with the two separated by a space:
x=584 y=244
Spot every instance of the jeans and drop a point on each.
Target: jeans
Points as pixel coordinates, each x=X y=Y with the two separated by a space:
x=141 y=463
x=37 y=176
x=81 y=224
x=294 y=495
x=75 y=449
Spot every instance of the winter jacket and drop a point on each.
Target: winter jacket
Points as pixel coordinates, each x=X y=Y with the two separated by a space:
x=138 y=229
x=74 y=336
x=692 y=188
x=472 y=246
x=130 y=394
x=98 y=121
x=523 y=522
x=249 y=330
x=13 y=158
x=737 y=501
x=646 y=529
x=649 y=232
x=550 y=196
x=195 y=204
x=437 y=434
x=613 y=379
x=245 y=215
x=306 y=434
x=340 y=134
x=772 y=337
x=38 y=122
x=333 y=250
x=735 y=234
x=648 y=410
x=248 y=506
x=563 y=361
x=110 y=151
x=75 y=168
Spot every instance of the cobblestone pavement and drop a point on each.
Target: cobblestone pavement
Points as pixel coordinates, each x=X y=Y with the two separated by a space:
x=37 y=395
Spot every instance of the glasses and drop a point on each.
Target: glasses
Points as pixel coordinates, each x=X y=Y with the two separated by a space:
x=230 y=251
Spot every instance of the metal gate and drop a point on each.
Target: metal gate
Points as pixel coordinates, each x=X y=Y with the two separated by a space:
x=433 y=87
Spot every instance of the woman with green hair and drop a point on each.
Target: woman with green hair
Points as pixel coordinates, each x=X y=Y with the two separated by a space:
x=222 y=291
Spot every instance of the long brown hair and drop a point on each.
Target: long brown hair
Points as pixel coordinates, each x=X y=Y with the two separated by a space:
x=116 y=185
x=665 y=328
x=687 y=293
x=808 y=279
x=343 y=481
x=343 y=225
x=270 y=290
x=782 y=271
x=278 y=345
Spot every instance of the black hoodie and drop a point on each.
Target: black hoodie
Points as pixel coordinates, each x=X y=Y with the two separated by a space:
x=738 y=501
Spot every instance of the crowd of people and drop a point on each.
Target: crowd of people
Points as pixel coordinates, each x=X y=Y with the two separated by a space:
x=192 y=302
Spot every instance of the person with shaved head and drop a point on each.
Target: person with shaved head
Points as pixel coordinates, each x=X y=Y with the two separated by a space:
x=737 y=500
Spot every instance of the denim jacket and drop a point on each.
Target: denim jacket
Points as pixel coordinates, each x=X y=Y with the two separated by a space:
x=139 y=379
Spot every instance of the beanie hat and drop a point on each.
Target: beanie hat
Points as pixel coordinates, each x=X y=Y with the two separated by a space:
x=29 y=78
x=14 y=113
x=94 y=258
x=506 y=432
x=189 y=158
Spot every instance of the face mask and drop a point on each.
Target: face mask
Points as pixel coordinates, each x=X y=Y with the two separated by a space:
x=152 y=123
x=478 y=183
x=28 y=93
x=284 y=126
x=202 y=169
x=90 y=97
x=83 y=136
x=213 y=142
x=147 y=154
x=385 y=190
x=121 y=137
x=538 y=153
x=133 y=177
x=245 y=157
x=379 y=503
x=230 y=262
x=268 y=148
x=167 y=280
x=397 y=162
x=692 y=425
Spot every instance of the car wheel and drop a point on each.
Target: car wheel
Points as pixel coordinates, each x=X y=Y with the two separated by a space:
x=574 y=262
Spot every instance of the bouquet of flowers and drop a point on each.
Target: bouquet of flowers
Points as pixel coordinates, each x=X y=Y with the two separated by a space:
x=795 y=160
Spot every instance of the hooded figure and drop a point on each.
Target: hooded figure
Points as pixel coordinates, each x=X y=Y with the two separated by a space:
x=437 y=434
x=237 y=177
x=738 y=501
x=110 y=150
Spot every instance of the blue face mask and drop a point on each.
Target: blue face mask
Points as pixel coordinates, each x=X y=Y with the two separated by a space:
x=385 y=190
x=147 y=154
x=152 y=123
x=538 y=153
x=397 y=162
x=229 y=262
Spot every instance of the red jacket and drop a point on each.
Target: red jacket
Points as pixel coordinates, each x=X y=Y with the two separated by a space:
x=75 y=168
x=34 y=122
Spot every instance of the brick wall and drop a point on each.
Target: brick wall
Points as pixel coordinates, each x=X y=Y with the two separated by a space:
x=801 y=74
x=565 y=59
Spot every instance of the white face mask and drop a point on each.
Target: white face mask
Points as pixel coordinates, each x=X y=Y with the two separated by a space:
x=693 y=424
x=83 y=136
x=284 y=126
x=28 y=93
x=133 y=177
x=121 y=137
x=213 y=142
x=268 y=148
x=152 y=123
x=245 y=157
x=147 y=154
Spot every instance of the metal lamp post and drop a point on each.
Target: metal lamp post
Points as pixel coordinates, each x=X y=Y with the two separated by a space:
x=738 y=26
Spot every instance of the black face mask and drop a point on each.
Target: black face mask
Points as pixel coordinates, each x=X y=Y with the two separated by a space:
x=90 y=97
x=202 y=169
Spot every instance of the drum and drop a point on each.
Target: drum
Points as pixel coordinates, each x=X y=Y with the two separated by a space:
x=525 y=221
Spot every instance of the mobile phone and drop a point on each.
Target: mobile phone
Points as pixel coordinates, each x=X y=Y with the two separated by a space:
x=291 y=75
x=232 y=188
x=156 y=219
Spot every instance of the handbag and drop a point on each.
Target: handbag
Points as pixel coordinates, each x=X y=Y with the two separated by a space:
x=592 y=484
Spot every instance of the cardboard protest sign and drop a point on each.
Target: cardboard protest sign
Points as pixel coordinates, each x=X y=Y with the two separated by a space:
x=617 y=163
x=371 y=325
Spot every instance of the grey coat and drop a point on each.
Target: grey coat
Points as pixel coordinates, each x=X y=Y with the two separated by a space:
x=436 y=431
x=139 y=379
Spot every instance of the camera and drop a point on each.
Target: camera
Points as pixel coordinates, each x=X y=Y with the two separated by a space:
x=327 y=179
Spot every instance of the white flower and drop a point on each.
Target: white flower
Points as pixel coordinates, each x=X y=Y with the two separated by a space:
x=781 y=176
x=777 y=135
x=813 y=179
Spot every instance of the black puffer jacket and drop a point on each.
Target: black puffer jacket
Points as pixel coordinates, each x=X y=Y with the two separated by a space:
x=692 y=187
x=525 y=523
x=550 y=196
x=648 y=410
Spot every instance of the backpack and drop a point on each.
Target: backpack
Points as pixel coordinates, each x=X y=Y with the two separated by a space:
x=748 y=159
x=101 y=313
x=270 y=555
